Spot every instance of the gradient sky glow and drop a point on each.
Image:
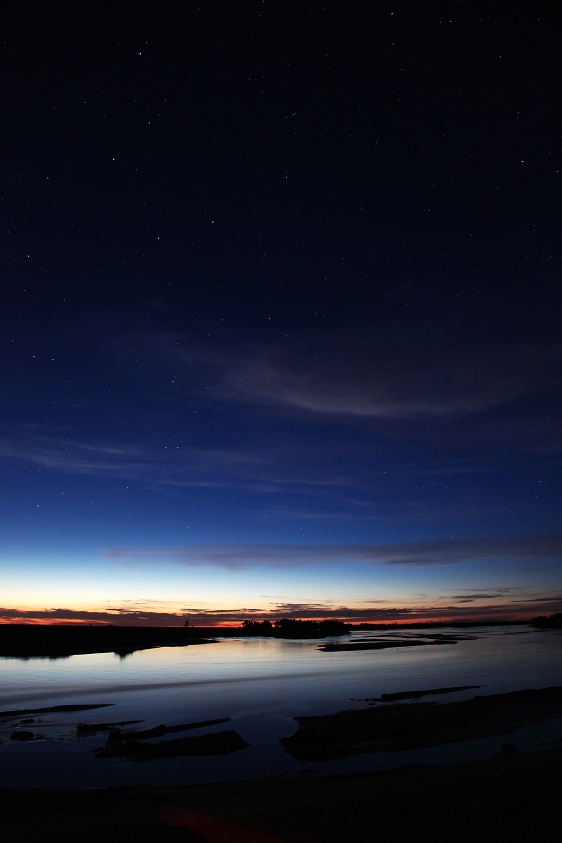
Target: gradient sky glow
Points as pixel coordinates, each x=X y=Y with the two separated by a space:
x=280 y=326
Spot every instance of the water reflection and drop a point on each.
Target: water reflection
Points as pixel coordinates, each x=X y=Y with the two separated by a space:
x=259 y=684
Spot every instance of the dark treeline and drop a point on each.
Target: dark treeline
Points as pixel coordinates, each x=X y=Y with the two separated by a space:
x=550 y=622
x=295 y=628
x=60 y=640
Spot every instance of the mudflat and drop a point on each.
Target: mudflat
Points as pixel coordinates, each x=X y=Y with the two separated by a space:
x=401 y=726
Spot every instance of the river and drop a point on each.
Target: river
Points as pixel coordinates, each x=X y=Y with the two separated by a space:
x=261 y=685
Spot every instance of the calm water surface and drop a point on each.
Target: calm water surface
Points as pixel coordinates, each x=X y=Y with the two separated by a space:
x=261 y=684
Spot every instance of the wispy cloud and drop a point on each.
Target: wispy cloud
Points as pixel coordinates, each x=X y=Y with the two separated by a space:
x=385 y=376
x=546 y=604
x=144 y=462
x=273 y=470
x=434 y=553
x=475 y=595
x=108 y=616
x=485 y=610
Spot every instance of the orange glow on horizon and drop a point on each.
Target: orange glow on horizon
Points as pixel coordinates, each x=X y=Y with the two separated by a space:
x=29 y=620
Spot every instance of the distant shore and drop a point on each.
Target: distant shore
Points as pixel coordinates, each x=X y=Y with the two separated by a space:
x=63 y=640
x=59 y=641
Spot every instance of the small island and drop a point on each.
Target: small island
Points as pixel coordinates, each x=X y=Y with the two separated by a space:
x=295 y=628
x=548 y=621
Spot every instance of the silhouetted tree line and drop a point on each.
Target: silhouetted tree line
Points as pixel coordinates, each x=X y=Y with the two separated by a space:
x=295 y=628
x=548 y=622
x=257 y=627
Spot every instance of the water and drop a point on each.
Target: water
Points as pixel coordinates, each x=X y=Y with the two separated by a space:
x=261 y=684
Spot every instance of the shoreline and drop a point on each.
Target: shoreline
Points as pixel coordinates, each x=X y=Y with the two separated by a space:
x=510 y=794
x=27 y=641
x=53 y=641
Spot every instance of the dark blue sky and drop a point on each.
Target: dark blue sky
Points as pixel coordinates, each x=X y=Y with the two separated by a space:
x=281 y=311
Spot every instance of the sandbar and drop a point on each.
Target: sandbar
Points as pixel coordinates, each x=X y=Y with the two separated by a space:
x=404 y=726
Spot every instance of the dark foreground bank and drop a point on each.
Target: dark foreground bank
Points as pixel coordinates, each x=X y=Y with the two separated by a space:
x=509 y=797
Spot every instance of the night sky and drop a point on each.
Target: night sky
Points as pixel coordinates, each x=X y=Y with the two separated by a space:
x=281 y=306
